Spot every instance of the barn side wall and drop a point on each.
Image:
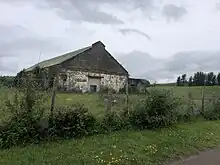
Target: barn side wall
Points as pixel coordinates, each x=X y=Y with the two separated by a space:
x=79 y=80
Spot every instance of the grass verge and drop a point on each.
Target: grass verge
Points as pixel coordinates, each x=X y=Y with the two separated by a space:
x=136 y=147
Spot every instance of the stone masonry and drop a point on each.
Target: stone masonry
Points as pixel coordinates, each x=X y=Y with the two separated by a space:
x=79 y=80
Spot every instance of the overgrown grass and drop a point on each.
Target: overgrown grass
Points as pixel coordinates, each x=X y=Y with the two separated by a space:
x=97 y=105
x=160 y=109
x=136 y=147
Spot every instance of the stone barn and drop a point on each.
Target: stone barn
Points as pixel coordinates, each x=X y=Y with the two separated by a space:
x=86 y=69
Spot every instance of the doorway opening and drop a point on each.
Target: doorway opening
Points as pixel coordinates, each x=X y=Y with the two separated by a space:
x=93 y=88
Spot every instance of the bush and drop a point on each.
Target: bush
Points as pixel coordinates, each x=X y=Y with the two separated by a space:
x=106 y=90
x=73 y=121
x=213 y=110
x=26 y=112
x=159 y=109
x=113 y=122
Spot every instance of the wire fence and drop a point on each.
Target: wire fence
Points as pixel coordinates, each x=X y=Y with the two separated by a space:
x=103 y=101
x=60 y=94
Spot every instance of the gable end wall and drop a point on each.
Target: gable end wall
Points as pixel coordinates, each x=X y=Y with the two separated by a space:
x=79 y=80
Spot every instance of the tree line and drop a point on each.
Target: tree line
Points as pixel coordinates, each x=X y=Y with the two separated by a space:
x=199 y=79
x=22 y=78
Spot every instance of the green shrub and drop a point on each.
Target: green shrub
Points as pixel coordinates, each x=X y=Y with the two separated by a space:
x=26 y=112
x=213 y=110
x=73 y=121
x=113 y=121
x=159 y=109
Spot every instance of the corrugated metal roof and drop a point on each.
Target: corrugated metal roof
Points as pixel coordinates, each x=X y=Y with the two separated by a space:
x=58 y=60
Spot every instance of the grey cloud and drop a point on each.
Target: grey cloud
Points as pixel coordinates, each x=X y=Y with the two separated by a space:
x=194 y=60
x=76 y=10
x=82 y=11
x=139 y=64
x=19 y=44
x=88 y=10
x=217 y=7
x=128 y=30
x=171 y=11
x=143 y=65
x=8 y=65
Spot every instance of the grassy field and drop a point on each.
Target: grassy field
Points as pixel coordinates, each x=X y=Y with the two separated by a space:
x=134 y=147
x=140 y=148
x=97 y=105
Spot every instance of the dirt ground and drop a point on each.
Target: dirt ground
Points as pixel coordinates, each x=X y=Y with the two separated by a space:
x=209 y=157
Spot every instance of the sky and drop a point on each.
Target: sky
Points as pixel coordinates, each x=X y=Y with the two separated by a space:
x=154 y=39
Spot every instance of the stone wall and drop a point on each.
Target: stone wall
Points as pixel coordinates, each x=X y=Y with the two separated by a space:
x=79 y=80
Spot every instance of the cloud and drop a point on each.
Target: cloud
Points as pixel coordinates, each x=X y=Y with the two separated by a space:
x=17 y=38
x=20 y=47
x=140 y=64
x=217 y=6
x=58 y=26
x=8 y=65
x=194 y=61
x=172 y=12
x=125 y=31
x=78 y=10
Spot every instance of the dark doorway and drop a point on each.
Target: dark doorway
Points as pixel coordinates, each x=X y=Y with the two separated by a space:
x=93 y=88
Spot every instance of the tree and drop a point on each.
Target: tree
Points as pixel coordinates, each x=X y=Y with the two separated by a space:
x=218 y=79
x=178 y=82
x=40 y=77
x=214 y=81
x=199 y=78
x=210 y=79
x=190 y=83
x=183 y=79
x=19 y=79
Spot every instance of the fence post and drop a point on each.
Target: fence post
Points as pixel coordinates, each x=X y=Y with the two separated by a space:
x=203 y=99
x=203 y=94
x=53 y=97
x=127 y=97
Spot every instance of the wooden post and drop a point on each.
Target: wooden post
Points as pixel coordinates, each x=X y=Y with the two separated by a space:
x=203 y=99
x=53 y=97
x=203 y=96
x=127 y=95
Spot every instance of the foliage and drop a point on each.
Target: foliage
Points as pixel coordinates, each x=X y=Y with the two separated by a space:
x=131 y=90
x=113 y=121
x=181 y=81
x=124 y=147
x=73 y=121
x=199 y=79
x=159 y=109
x=39 y=76
x=23 y=127
x=178 y=83
x=7 y=81
x=218 y=79
x=19 y=80
x=190 y=83
x=105 y=89
x=213 y=110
